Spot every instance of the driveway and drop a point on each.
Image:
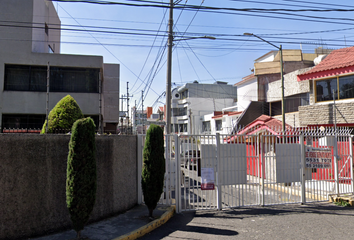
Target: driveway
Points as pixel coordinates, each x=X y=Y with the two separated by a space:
x=292 y=221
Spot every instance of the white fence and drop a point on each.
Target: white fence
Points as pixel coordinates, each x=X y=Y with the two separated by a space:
x=261 y=169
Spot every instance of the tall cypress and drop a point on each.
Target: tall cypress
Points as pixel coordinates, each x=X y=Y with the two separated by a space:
x=154 y=167
x=81 y=182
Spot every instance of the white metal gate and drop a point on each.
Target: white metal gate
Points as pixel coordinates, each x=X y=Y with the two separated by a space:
x=260 y=169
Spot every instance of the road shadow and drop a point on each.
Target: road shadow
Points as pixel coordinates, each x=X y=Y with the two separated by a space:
x=286 y=209
x=179 y=222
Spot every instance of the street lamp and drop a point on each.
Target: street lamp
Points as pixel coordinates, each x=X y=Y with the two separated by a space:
x=281 y=74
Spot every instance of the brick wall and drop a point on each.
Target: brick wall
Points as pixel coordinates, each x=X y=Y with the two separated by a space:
x=324 y=114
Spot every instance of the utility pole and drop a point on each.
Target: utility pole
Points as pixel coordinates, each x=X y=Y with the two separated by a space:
x=190 y=120
x=142 y=108
x=169 y=70
x=127 y=117
x=121 y=119
x=135 y=118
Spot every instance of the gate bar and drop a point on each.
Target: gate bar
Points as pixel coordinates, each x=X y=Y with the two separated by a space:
x=303 y=170
x=178 y=176
x=218 y=175
x=351 y=162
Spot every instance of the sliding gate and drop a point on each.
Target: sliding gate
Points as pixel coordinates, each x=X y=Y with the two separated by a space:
x=223 y=171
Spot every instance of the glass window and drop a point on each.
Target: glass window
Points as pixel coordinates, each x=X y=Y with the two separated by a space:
x=25 y=78
x=179 y=112
x=292 y=103
x=218 y=125
x=206 y=126
x=185 y=127
x=180 y=128
x=22 y=121
x=275 y=108
x=74 y=80
x=346 y=87
x=184 y=94
x=324 y=89
x=62 y=79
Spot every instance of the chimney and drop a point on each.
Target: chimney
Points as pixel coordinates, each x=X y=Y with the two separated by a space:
x=148 y=112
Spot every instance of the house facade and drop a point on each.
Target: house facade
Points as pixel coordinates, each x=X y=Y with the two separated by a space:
x=194 y=100
x=332 y=90
x=267 y=74
x=30 y=56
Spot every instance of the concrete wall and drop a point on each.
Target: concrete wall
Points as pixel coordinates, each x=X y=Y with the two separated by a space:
x=110 y=93
x=29 y=46
x=16 y=39
x=323 y=113
x=33 y=180
x=45 y=13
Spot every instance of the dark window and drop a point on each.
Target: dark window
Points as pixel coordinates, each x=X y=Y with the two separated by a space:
x=19 y=121
x=275 y=108
x=292 y=103
x=206 y=126
x=324 y=89
x=218 y=125
x=34 y=78
x=184 y=94
x=25 y=78
x=74 y=80
x=179 y=112
x=46 y=29
x=346 y=87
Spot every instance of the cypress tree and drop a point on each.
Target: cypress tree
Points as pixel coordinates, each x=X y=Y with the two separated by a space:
x=154 y=167
x=63 y=115
x=81 y=173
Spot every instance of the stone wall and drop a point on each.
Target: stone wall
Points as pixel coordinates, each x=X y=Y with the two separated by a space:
x=324 y=114
x=290 y=118
x=33 y=180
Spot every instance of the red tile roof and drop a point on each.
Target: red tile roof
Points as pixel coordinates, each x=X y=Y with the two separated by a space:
x=264 y=122
x=337 y=59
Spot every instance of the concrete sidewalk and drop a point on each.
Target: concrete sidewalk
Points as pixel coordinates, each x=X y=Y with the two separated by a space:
x=129 y=225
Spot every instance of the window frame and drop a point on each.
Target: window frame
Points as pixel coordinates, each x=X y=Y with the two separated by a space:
x=338 y=91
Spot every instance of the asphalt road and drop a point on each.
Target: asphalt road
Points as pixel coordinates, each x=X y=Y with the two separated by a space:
x=292 y=221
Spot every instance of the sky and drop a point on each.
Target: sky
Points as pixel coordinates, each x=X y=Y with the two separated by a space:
x=135 y=37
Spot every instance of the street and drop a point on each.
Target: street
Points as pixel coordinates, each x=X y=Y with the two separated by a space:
x=292 y=221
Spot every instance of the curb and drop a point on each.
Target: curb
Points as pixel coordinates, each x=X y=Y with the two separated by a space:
x=150 y=226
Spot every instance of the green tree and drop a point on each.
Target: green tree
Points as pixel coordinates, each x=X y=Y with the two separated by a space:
x=153 y=173
x=81 y=181
x=63 y=115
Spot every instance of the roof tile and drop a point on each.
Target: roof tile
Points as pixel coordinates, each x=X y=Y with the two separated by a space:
x=339 y=58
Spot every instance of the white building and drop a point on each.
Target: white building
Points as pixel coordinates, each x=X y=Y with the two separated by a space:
x=30 y=42
x=193 y=100
x=247 y=91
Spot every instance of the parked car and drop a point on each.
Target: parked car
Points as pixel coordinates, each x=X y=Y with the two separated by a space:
x=192 y=159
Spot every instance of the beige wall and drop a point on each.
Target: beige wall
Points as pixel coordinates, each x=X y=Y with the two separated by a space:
x=33 y=180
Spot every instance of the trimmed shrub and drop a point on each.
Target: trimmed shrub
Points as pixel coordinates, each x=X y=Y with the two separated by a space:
x=81 y=173
x=153 y=173
x=63 y=115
